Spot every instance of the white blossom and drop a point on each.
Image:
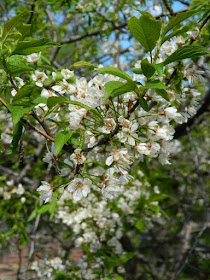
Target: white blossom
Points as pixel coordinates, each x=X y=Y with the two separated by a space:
x=80 y=188
x=46 y=191
x=39 y=78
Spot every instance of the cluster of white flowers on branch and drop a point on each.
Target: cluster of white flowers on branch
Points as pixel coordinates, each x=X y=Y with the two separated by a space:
x=109 y=135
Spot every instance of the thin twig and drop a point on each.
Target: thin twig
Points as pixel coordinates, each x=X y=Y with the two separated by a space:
x=184 y=2
x=30 y=125
x=168 y=7
x=32 y=12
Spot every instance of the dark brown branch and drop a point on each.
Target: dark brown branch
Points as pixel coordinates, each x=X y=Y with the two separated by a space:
x=32 y=12
x=44 y=126
x=168 y=7
x=184 y=2
x=30 y=125
x=204 y=22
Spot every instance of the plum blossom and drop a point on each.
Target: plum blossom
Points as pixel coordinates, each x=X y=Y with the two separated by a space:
x=112 y=186
x=39 y=78
x=110 y=125
x=128 y=132
x=67 y=74
x=80 y=188
x=34 y=57
x=46 y=191
x=78 y=157
x=64 y=87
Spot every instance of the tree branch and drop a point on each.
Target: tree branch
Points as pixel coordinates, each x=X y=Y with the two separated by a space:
x=168 y=7
x=32 y=12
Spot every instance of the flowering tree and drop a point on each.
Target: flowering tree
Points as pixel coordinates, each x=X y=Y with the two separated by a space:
x=89 y=129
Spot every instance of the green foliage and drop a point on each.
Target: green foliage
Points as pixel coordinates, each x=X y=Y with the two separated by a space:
x=33 y=46
x=187 y=52
x=143 y=103
x=154 y=84
x=9 y=25
x=147 y=69
x=82 y=64
x=113 y=71
x=112 y=262
x=60 y=139
x=146 y=30
x=110 y=87
x=178 y=18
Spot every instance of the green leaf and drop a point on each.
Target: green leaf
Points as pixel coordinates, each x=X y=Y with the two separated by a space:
x=110 y=263
x=145 y=13
x=60 y=139
x=17 y=65
x=2 y=148
x=18 y=112
x=34 y=46
x=140 y=225
x=153 y=84
x=39 y=100
x=146 y=30
x=53 y=204
x=17 y=133
x=114 y=71
x=33 y=215
x=82 y=64
x=43 y=209
x=25 y=30
x=74 y=139
x=158 y=197
x=136 y=70
x=23 y=237
x=159 y=68
x=143 y=103
x=163 y=93
x=125 y=257
x=26 y=95
x=147 y=69
x=187 y=52
x=53 y=101
x=154 y=208
x=128 y=87
x=10 y=24
x=110 y=87
x=178 y=18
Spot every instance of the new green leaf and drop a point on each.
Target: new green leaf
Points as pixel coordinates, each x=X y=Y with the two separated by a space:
x=60 y=139
x=143 y=104
x=52 y=101
x=146 y=30
x=187 y=52
x=82 y=64
x=147 y=69
x=153 y=84
x=34 y=46
x=18 y=112
x=114 y=71
x=9 y=25
x=110 y=87
x=179 y=18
